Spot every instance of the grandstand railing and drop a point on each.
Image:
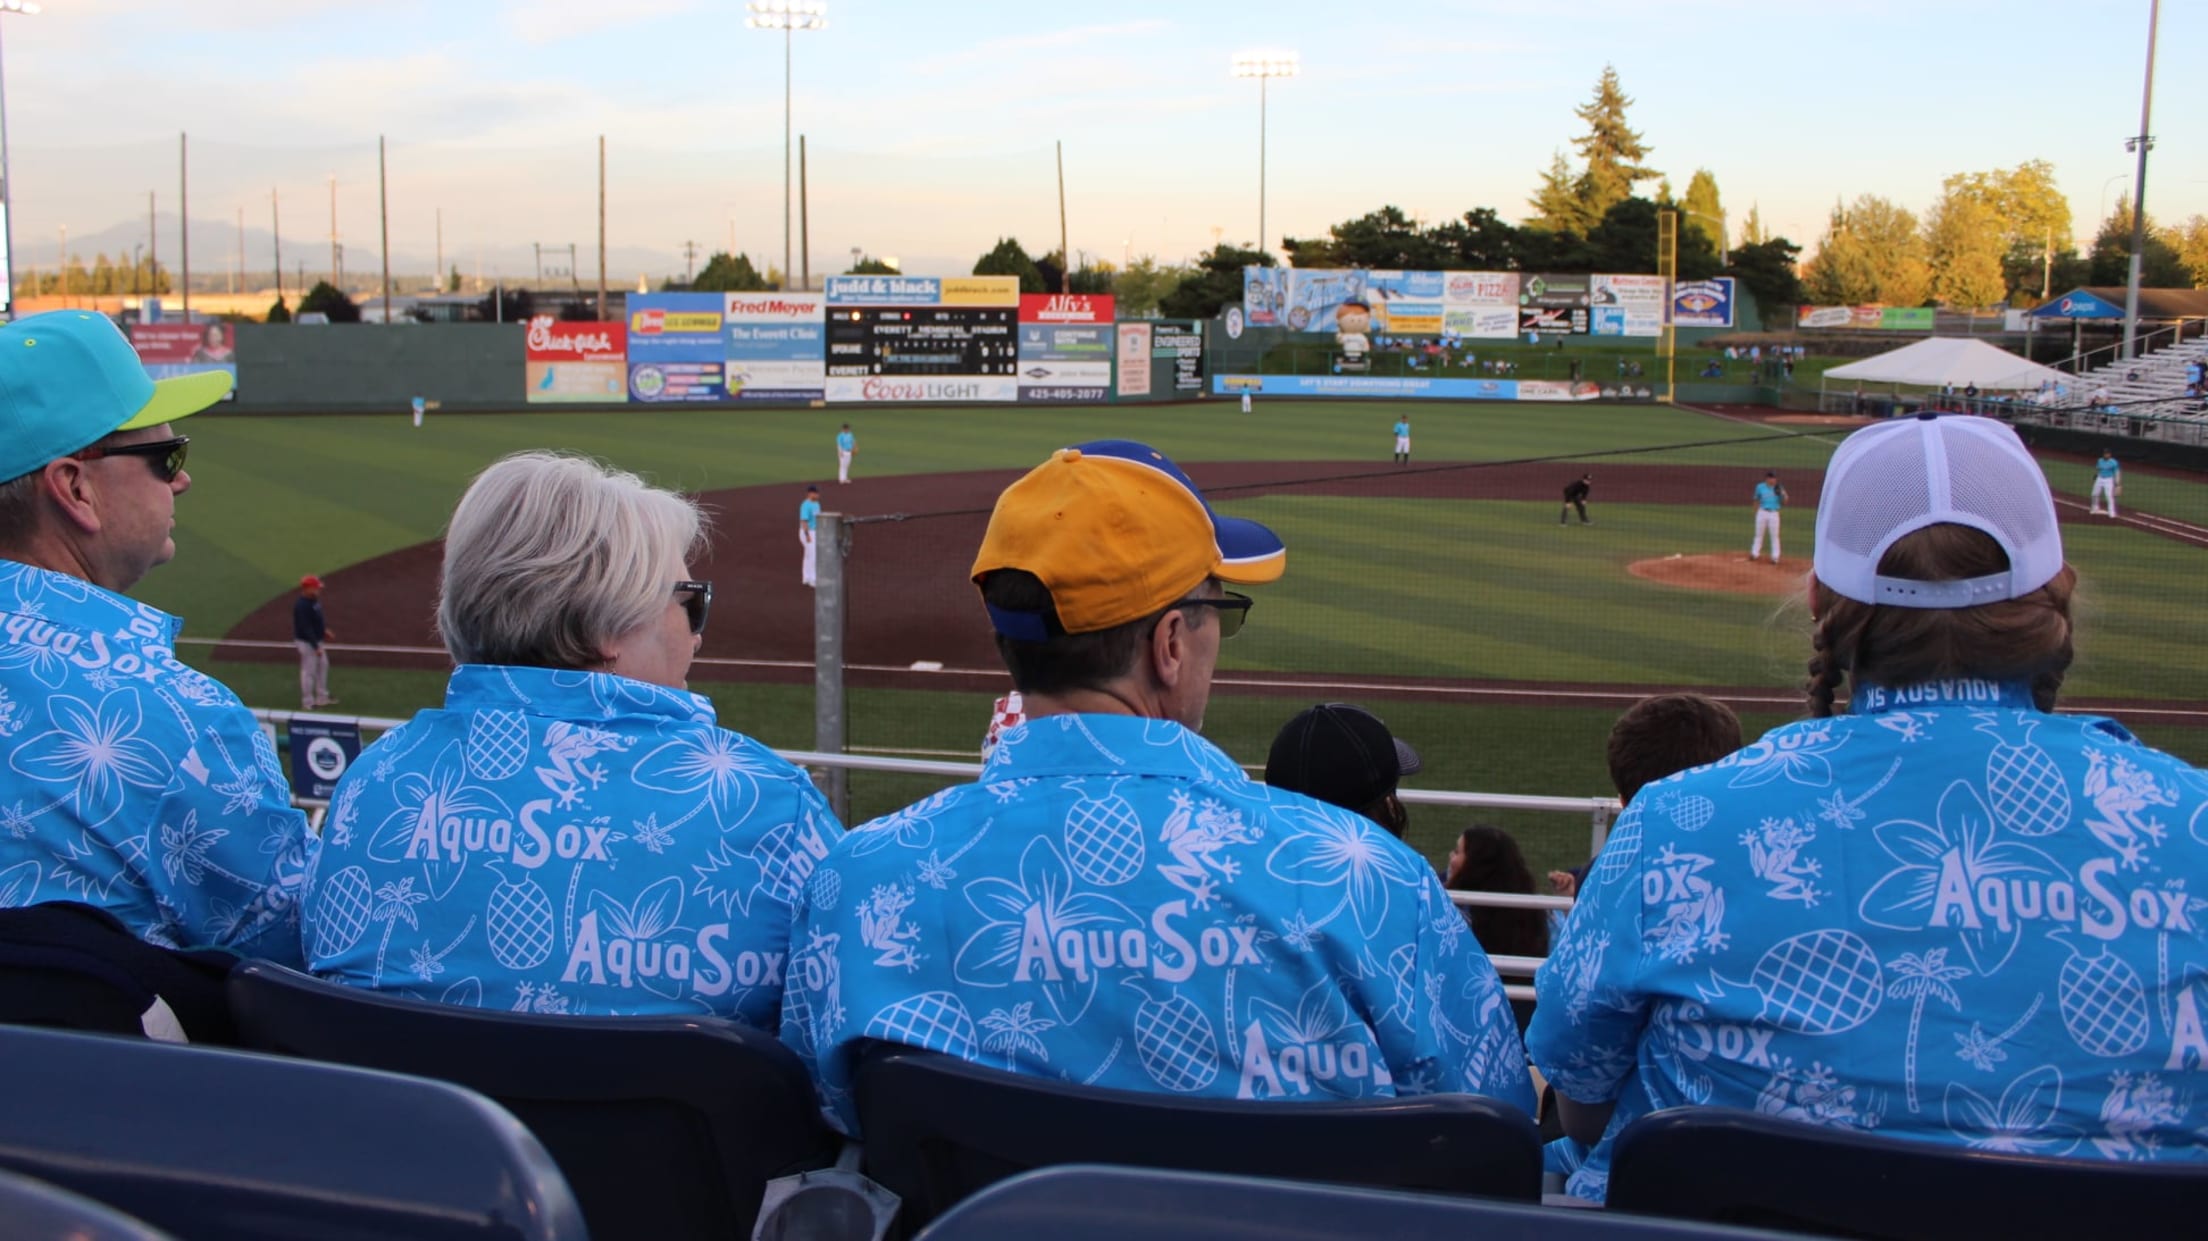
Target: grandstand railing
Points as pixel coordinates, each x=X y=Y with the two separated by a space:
x=1598 y=811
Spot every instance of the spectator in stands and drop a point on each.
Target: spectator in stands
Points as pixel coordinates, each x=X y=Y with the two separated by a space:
x=1113 y=888
x=572 y=831
x=1487 y=859
x=1344 y=756
x=1937 y=911
x=131 y=782
x=1665 y=734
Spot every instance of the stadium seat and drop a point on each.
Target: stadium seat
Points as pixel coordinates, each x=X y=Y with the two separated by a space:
x=74 y=967
x=1091 y=1203
x=937 y=1129
x=37 y=1211
x=667 y=1127
x=208 y=1143
x=1723 y=1165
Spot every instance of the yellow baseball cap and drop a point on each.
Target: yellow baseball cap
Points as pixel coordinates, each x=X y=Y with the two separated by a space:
x=1115 y=531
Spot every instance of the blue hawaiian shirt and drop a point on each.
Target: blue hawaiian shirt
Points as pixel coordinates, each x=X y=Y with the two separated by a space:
x=1115 y=903
x=1945 y=916
x=567 y=842
x=135 y=783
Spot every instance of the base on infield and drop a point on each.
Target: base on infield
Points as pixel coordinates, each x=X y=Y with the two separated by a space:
x=1724 y=572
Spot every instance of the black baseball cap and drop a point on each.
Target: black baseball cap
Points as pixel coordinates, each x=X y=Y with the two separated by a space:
x=1339 y=754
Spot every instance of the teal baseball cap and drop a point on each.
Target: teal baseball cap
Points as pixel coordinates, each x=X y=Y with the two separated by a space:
x=69 y=377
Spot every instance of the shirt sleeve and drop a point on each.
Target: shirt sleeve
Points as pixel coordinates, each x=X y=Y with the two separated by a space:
x=1589 y=1009
x=1461 y=1037
x=230 y=854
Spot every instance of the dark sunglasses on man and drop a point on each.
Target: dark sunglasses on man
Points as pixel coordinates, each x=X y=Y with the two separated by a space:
x=1234 y=611
x=697 y=601
x=165 y=456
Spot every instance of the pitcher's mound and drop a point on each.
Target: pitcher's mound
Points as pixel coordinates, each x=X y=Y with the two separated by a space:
x=1732 y=574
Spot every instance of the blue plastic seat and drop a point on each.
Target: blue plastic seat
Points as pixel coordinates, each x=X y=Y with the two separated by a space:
x=208 y=1143
x=666 y=1127
x=1728 y=1166
x=71 y=966
x=937 y=1129
x=36 y=1211
x=1088 y=1203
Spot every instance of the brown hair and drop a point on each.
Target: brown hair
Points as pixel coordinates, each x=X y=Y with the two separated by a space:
x=1493 y=863
x=2019 y=639
x=1667 y=734
x=1066 y=661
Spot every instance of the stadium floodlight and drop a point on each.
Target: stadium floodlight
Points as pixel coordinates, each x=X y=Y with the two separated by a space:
x=7 y=217
x=1264 y=66
x=787 y=16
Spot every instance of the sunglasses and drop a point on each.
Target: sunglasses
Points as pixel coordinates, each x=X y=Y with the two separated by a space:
x=1234 y=611
x=165 y=456
x=697 y=601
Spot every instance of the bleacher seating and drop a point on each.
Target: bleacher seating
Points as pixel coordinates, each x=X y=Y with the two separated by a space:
x=208 y=1143
x=937 y=1129
x=1089 y=1203
x=33 y=1210
x=2153 y=404
x=666 y=1127
x=1722 y=1165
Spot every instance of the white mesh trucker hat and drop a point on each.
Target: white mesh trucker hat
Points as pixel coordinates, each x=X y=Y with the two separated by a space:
x=1895 y=478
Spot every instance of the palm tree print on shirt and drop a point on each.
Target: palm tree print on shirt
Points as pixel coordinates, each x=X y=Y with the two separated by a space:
x=1921 y=978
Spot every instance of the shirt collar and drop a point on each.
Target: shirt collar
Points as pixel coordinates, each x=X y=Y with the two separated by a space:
x=563 y=693
x=1077 y=743
x=1956 y=692
x=28 y=590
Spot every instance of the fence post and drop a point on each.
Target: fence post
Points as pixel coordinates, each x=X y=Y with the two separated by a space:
x=828 y=628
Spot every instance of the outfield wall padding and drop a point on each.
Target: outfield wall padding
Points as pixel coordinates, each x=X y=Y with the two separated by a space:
x=357 y=367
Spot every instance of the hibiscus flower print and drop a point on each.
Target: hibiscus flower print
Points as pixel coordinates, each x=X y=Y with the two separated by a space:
x=711 y=761
x=2022 y=1123
x=1346 y=851
x=96 y=753
x=1044 y=892
x=1961 y=841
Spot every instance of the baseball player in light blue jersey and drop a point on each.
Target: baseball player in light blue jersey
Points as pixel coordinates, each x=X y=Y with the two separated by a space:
x=1770 y=498
x=2108 y=481
x=1114 y=902
x=1934 y=910
x=1403 y=440
x=808 y=524
x=846 y=444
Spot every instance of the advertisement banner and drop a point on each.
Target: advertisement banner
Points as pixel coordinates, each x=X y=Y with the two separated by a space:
x=884 y=291
x=1368 y=386
x=1301 y=301
x=1065 y=363
x=1906 y=318
x=675 y=348
x=1553 y=290
x=2079 y=304
x=1066 y=308
x=567 y=362
x=1702 y=303
x=1497 y=322
x=167 y=350
x=1407 y=318
x=1134 y=359
x=321 y=750
x=1553 y=319
x=980 y=291
x=776 y=346
x=1181 y=340
x=1626 y=306
x=1823 y=316
x=1480 y=288
x=1555 y=390
x=892 y=388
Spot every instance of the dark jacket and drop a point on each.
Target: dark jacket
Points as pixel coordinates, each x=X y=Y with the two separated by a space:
x=306 y=620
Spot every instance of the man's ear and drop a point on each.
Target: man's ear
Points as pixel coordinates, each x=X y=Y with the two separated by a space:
x=1167 y=649
x=70 y=488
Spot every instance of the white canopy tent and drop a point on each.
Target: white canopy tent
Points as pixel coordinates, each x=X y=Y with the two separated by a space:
x=1941 y=360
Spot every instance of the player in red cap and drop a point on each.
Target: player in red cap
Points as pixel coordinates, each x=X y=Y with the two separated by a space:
x=309 y=632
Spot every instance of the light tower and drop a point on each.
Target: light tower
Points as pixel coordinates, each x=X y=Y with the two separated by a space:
x=787 y=16
x=1264 y=66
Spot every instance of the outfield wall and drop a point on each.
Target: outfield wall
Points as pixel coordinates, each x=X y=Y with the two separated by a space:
x=345 y=368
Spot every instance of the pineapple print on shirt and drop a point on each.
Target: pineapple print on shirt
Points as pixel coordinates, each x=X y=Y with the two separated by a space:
x=2012 y=956
x=1115 y=903
x=553 y=844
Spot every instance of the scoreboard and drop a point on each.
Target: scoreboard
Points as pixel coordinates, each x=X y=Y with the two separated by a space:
x=923 y=340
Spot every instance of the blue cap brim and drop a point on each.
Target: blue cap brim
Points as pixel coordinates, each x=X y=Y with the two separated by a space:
x=1249 y=554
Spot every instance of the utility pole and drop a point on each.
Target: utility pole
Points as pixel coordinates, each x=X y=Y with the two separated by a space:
x=383 y=215
x=238 y=280
x=276 y=240
x=690 y=263
x=184 y=224
x=1065 y=253
x=334 y=267
x=601 y=226
x=65 y=261
x=2142 y=144
x=439 y=283
x=538 y=248
x=804 y=223
x=153 y=249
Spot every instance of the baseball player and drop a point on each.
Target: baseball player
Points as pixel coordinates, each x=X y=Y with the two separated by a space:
x=808 y=521
x=1770 y=498
x=421 y=406
x=2108 y=483
x=1403 y=440
x=846 y=444
x=1575 y=496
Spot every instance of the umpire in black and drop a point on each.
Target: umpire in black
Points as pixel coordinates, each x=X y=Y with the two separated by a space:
x=1575 y=496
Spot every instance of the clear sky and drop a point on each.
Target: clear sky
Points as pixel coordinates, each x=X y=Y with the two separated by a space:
x=931 y=124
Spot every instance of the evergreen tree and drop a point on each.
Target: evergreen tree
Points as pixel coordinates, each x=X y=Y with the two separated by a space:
x=1752 y=232
x=1703 y=211
x=1143 y=283
x=452 y=282
x=1481 y=241
x=2159 y=266
x=1613 y=151
x=1556 y=202
x=724 y=273
x=1766 y=269
x=868 y=265
x=324 y=298
x=1008 y=259
x=278 y=312
x=1214 y=285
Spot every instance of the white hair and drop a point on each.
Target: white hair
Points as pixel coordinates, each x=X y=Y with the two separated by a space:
x=549 y=557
